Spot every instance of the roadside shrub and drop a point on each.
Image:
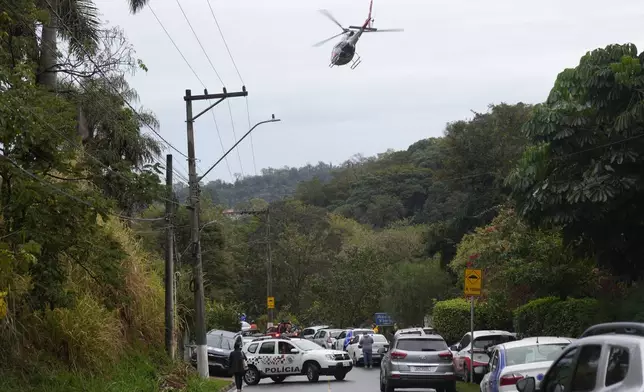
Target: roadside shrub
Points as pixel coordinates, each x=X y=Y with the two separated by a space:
x=529 y=319
x=452 y=318
x=222 y=316
x=85 y=336
x=552 y=316
x=573 y=316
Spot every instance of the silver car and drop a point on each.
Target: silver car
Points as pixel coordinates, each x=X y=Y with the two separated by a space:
x=418 y=361
x=606 y=358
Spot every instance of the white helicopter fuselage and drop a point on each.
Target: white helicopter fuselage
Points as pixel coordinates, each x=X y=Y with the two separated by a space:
x=344 y=51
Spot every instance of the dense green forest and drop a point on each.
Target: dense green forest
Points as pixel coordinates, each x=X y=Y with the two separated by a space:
x=544 y=198
x=272 y=185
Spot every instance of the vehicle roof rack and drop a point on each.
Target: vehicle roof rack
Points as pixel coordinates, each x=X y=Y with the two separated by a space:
x=270 y=337
x=618 y=328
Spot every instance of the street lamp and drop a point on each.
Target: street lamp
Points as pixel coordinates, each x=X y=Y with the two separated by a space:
x=273 y=119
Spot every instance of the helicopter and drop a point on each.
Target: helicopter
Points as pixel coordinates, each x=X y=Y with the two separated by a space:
x=345 y=51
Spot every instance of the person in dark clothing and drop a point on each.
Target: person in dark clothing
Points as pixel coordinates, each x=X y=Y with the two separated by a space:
x=236 y=363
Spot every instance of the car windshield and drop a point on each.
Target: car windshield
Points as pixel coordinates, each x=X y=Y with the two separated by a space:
x=421 y=345
x=492 y=340
x=379 y=339
x=306 y=345
x=535 y=353
x=219 y=341
x=334 y=334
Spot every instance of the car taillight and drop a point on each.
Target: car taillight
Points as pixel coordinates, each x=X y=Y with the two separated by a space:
x=510 y=379
x=398 y=355
x=445 y=355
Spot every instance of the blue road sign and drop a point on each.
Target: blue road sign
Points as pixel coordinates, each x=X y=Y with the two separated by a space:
x=383 y=319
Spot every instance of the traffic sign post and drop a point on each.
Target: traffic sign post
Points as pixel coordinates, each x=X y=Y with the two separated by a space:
x=472 y=288
x=270 y=302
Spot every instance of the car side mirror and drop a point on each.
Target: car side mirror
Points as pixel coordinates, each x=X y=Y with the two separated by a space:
x=528 y=384
x=294 y=351
x=454 y=347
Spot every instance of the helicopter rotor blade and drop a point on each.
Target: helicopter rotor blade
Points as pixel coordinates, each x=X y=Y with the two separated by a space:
x=383 y=30
x=333 y=19
x=327 y=40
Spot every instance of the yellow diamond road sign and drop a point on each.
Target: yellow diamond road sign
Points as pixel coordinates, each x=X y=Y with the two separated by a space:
x=270 y=301
x=473 y=279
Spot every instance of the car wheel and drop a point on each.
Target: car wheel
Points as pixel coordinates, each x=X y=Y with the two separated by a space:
x=278 y=379
x=451 y=387
x=382 y=382
x=251 y=377
x=388 y=387
x=312 y=372
x=340 y=376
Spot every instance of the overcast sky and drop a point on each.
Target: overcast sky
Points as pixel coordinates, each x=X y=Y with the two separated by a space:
x=454 y=56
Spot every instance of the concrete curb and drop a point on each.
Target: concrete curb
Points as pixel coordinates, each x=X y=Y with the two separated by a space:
x=230 y=388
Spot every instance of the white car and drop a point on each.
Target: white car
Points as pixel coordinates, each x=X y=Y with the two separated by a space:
x=279 y=358
x=308 y=333
x=354 y=349
x=512 y=361
x=340 y=340
x=415 y=331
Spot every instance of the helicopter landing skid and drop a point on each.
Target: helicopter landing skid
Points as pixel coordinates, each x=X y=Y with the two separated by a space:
x=356 y=61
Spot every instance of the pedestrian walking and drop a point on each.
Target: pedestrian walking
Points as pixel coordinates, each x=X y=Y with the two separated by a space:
x=367 y=350
x=237 y=366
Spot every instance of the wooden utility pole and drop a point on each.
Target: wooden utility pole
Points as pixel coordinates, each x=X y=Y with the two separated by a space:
x=197 y=270
x=169 y=261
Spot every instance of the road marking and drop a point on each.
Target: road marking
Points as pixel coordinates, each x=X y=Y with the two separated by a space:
x=329 y=382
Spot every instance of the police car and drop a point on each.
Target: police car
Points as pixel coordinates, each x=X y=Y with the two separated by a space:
x=282 y=357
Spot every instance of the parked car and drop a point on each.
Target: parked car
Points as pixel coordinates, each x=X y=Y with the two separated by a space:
x=342 y=337
x=483 y=340
x=326 y=337
x=355 y=349
x=220 y=345
x=308 y=333
x=418 y=361
x=513 y=361
x=282 y=357
x=607 y=357
x=415 y=331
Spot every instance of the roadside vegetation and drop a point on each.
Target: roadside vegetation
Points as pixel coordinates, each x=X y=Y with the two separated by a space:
x=543 y=198
x=546 y=199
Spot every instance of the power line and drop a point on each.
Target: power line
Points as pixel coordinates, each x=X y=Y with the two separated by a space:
x=196 y=75
x=221 y=33
x=180 y=175
x=176 y=47
x=70 y=142
x=221 y=143
x=232 y=123
x=241 y=79
x=252 y=146
x=99 y=70
x=199 y=42
x=75 y=198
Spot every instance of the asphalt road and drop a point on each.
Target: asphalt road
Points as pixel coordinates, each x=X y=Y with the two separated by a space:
x=357 y=380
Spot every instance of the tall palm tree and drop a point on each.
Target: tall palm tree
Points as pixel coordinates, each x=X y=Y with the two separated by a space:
x=75 y=21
